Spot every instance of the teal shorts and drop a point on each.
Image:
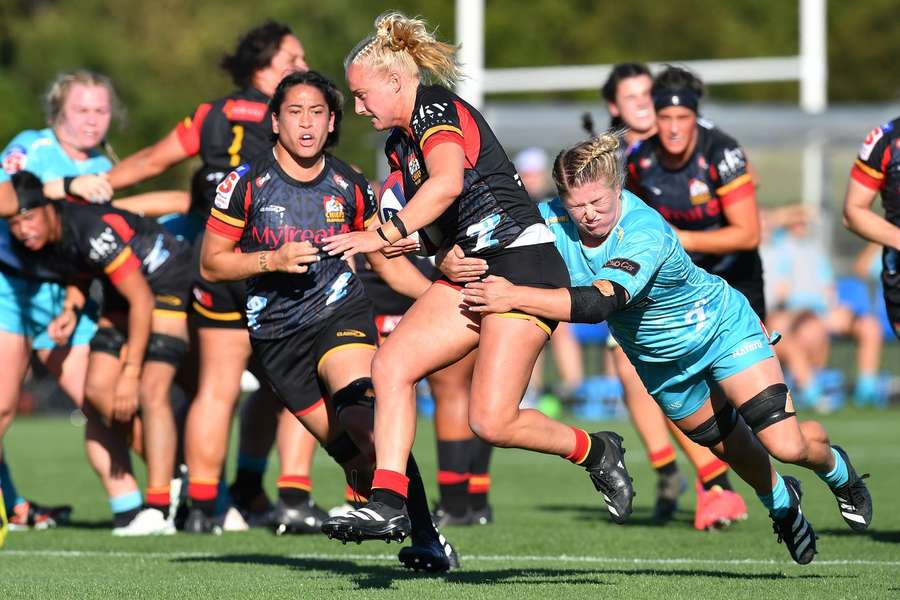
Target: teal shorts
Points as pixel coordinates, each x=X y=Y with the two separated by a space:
x=27 y=306
x=681 y=387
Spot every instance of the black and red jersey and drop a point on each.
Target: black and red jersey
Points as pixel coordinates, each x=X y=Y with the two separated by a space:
x=877 y=167
x=261 y=207
x=493 y=209
x=99 y=240
x=693 y=197
x=225 y=134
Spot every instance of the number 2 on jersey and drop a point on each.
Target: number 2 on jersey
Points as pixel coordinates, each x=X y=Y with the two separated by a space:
x=234 y=150
x=483 y=229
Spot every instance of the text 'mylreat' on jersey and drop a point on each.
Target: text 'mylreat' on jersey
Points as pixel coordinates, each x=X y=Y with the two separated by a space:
x=493 y=208
x=225 y=133
x=877 y=167
x=261 y=207
x=693 y=197
x=101 y=240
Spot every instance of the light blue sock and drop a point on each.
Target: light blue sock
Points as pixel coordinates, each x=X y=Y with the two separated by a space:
x=126 y=502
x=252 y=463
x=11 y=497
x=777 y=501
x=839 y=475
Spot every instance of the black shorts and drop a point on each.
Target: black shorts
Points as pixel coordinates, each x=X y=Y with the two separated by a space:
x=216 y=304
x=291 y=364
x=538 y=265
x=171 y=292
x=752 y=290
x=890 y=281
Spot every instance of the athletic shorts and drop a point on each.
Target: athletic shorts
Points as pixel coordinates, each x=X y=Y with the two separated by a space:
x=538 y=265
x=890 y=281
x=28 y=305
x=171 y=292
x=681 y=387
x=217 y=304
x=291 y=364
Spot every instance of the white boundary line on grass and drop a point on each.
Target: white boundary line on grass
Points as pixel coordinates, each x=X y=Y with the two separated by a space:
x=466 y=559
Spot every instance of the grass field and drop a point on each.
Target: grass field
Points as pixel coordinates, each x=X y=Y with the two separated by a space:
x=550 y=539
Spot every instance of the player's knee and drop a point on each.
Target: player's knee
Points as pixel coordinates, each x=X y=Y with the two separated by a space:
x=868 y=329
x=790 y=449
x=358 y=393
x=766 y=408
x=108 y=340
x=715 y=429
x=492 y=428
x=390 y=370
x=165 y=349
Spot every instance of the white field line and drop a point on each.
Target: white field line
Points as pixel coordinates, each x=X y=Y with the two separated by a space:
x=466 y=559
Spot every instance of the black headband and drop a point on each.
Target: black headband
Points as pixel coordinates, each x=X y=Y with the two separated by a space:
x=676 y=97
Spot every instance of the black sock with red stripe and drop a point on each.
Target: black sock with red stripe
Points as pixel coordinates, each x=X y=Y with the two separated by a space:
x=663 y=461
x=158 y=498
x=714 y=473
x=389 y=488
x=479 y=479
x=294 y=490
x=453 y=475
x=587 y=451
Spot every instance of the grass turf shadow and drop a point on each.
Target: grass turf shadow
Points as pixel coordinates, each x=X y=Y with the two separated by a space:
x=380 y=576
x=887 y=537
x=641 y=515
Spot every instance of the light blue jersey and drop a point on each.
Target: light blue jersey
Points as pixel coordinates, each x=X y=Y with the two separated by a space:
x=682 y=327
x=27 y=306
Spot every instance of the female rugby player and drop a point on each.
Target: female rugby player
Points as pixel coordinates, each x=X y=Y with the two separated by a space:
x=695 y=342
x=456 y=175
x=311 y=326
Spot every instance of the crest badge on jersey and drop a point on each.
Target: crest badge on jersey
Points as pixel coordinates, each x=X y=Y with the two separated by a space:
x=15 y=159
x=340 y=181
x=334 y=209
x=699 y=192
x=227 y=186
x=869 y=143
x=415 y=169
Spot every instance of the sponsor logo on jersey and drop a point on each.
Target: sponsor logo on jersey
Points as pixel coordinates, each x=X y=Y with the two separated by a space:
x=415 y=169
x=157 y=256
x=334 y=209
x=275 y=237
x=338 y=288
x=244 y=110
x=261 y=181
x=701 y=162
x=15 y=159
x=645 y=163
x=869 y=143
x=747 y=348
x=699 y=191
x=340 y=181
x=732 y=163
x=203 y=297
x=350 y=333
x=273 y=208
x=169 y=300
x=255 y=306
x=226 y=188
x=103 y=246
x=623 y=264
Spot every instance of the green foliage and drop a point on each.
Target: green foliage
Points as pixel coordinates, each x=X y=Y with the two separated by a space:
x=163 y=54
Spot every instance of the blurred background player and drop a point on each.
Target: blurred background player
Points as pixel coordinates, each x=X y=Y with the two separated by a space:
x=226 y=133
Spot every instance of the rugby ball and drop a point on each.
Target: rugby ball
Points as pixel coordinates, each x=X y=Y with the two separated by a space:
x=392 y=200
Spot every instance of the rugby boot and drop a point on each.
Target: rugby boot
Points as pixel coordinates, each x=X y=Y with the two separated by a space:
x=429 y=553
x=793 y=529
x=610 y=477
x=198 y=522
x=374 y=521
x=853 y=497
x=668 y=489
x=306 y=517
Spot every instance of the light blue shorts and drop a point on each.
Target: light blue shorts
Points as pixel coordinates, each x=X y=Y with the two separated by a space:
x=27 y=306
x=681 y=387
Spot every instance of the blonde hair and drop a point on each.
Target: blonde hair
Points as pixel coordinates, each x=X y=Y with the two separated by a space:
x=405 y=44
x=601 y=158
x=59 y=89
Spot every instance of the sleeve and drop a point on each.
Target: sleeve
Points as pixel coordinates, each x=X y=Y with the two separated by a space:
x=728 y=167
x=874 y=155
x=106 y=250
x=436 y=121
x=228 y=215
x=636 y=259
x=188 y=130
x=19 y=155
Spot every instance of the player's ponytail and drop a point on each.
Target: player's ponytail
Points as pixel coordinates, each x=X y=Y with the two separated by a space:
x=601 y=158
x=404 y=43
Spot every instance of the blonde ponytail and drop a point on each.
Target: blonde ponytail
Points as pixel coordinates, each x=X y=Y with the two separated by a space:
x=601 y=158
x=405 y=44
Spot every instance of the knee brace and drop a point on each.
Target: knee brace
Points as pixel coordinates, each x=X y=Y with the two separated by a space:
x=165 y=348
x=716 y=428
x=342 y=449
x=108 y=340
x=357 y=393
x=766 y=408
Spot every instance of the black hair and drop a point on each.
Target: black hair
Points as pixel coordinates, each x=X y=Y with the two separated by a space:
x=254 y=51
x=677 y=78
x=619 y=73
x=29 y=191
x=333 y=98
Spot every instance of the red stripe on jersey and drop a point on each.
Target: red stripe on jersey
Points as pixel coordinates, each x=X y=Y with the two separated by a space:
x=442 y=137
x=248 y=199
x=471 y=134
x=224 y=229
x=188 y=130
x=359 y=219
x=244 y=110
x=394 y=161
x=863 y=176
x=119 y=225
x=128 y=266
x=739 y=193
